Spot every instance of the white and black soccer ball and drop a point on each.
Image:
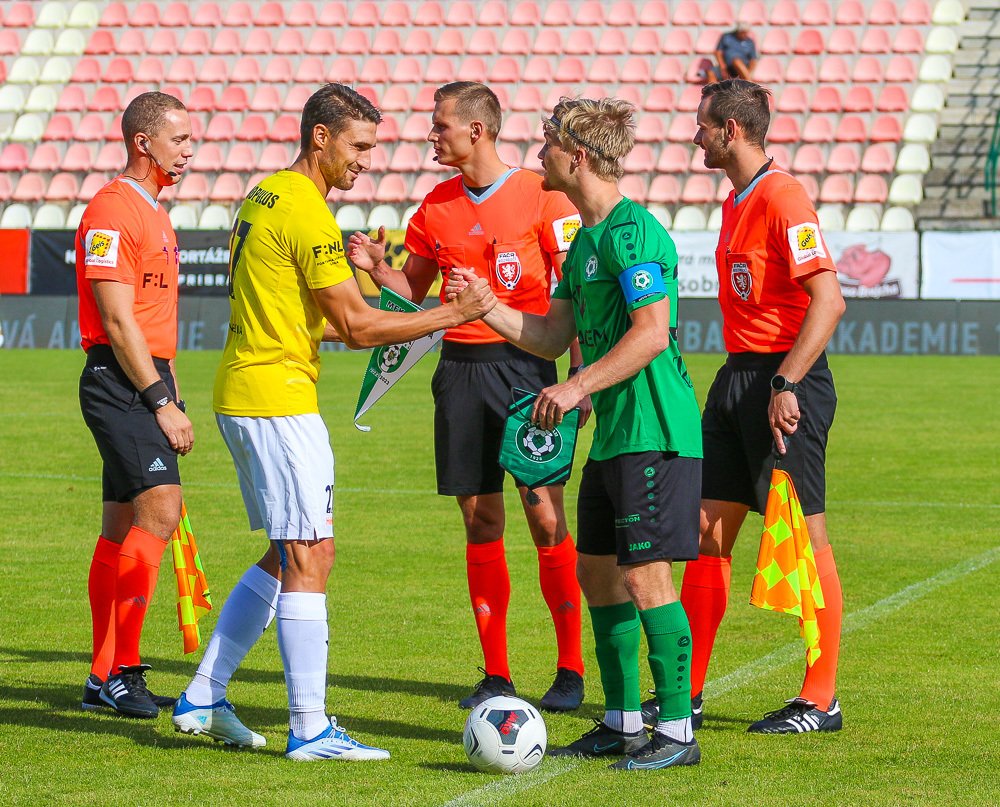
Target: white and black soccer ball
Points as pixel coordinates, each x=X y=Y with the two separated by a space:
x=538 y=442
x=505 y=735
x=390 y=358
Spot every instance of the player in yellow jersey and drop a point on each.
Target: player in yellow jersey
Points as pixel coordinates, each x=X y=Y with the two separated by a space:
x=290 y=287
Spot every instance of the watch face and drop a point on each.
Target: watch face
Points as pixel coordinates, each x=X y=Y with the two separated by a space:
x=779 y=383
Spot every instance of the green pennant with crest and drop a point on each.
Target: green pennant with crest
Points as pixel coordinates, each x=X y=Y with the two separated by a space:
x=390 y=363
x=534 y=456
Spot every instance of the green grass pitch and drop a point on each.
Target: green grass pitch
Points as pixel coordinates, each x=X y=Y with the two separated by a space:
x=914 y=514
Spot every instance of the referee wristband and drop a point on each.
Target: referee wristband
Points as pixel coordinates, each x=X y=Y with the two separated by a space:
x=156 y=396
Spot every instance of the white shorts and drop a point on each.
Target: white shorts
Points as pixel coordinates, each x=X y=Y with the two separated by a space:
x=285 y=468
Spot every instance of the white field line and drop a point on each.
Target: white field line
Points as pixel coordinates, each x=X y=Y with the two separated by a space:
x=500 y=791
x=430 y=492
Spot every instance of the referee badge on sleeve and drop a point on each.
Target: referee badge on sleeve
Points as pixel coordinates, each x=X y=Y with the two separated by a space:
x=101 y=247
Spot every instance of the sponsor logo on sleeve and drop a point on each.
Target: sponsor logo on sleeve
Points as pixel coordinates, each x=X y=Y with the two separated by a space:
x=102 y=248
x=508 y=269
x=565 y=230
x=806 y=242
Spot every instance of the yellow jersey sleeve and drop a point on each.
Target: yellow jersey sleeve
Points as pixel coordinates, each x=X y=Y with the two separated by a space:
x=314 y=238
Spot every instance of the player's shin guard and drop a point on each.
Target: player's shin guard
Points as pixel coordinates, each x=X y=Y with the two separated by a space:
x=704 y=595
x=101 y=589
x=820 y=682
x=303 y=636
x=616 y=638
x=138 y=565
x=557 y=577
x=244 y=618
x=489 y=590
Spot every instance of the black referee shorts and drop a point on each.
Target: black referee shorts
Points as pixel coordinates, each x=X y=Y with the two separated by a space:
x=738 y=441
x=135 y=451
x=472 y=390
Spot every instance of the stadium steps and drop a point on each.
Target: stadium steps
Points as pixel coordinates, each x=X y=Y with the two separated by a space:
x=954 y=194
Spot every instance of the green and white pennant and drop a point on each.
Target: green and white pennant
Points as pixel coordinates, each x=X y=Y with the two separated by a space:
x=390 y=363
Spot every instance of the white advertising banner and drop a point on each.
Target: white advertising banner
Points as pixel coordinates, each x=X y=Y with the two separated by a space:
x=961 y=266
x=870 y=265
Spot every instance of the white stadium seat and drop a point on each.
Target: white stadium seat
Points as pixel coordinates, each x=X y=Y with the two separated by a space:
x=84 y=15
x=50 y=217
x=863 y=218
x=897 y=220
x=928 y=98
x=913 y=158
x=948 y=12
x=57 y=70
x=831 y=217
x=383 y=216
x=662 y=214
x=906 y=190
x=690 y=218
x=935 y=68
x=920 y=128
x=75 y=215
x=183 y=217
x=215 y=217
x=24 y=70
x=941 y=40
x=51 y=15
x=351 y=217
x=15 y=217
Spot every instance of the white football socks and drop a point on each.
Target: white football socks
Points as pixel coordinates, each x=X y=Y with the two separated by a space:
x=303 y=635
x=628 y=722
x=248 y=611
x=679 y=730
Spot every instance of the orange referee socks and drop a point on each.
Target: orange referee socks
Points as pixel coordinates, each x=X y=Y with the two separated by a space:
x=101 y=588
x=489 y=590
x=557 y=576
x=820 y=684
x=138 y=565
x=704 y=595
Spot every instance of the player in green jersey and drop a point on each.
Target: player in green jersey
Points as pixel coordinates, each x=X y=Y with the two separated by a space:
x=641 y=486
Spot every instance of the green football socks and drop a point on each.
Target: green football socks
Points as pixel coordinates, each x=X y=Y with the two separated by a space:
x=616 y=637
x=669 y=638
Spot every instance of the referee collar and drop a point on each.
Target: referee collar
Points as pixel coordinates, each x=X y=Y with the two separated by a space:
x=142 y=192
x=490 y=191
x=765 y=169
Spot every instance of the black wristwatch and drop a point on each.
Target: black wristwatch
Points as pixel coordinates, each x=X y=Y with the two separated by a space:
x=781 y=384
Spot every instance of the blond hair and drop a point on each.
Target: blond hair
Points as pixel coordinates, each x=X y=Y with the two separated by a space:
x=604 y=128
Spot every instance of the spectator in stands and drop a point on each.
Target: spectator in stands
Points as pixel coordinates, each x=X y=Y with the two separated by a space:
x=736 y=55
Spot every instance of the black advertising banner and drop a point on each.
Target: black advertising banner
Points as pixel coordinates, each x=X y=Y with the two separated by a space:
x=204 y=262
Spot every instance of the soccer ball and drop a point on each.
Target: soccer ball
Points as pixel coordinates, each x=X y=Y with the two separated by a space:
x=505 y=735
x=538 y=442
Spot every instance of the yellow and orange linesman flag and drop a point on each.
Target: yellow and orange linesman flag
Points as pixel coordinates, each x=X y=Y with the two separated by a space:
x=786 y=580
x=193 y=597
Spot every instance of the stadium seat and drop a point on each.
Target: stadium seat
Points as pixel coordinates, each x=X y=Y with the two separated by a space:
x=590 y=14
x=650 y=129
x=526 y=13
x=259 y=43
x=202 y=99
x=913 y=158
x=704 y=45
x=883 y=12
x=776 y=42
x=876 y=40
x=233 y=99
x=633 y=187
x=770 y=70
x=16 y=217
x=237 y=15
x=105 y=99
x=902 y=69
x=781 y=156
x=50 y=217
x=785 y=12
x=669 y=70
x=850 y=12
x=505 y=70
x=699 y=189
x=14 y=158
x=301 y=15
x=195 y=43
x=581 y=43
x=183 y=217
x=528 y=98
x=150 y=70
x=863 y=218
x=274 y=157
x=416 y=127
x=679 y=42
x=405 y=70
x=801 y=70
x=935 y=68
x=877 y=159
x=38 y=43
x=851 y=129
x=177 y=15
x=227 y=188
x=690 y=99
x=6 y=190
x=221 y=127
x=906 y=190
x=569 y=71
x=351 y=217
x=886 y=129
x=424 y=100
x=640 y=160
x=207 y=157
x=241 y=158
x=842 y=40
x=915 y=12
x=661 y=213
x=226 y=42
x=383 y=216
x=29 y=188
x=612 y=42
x=689 y=218
x=192 y=188
x=784 y=129
x=181 y=71
x=660 y=99
x=920 y=128
x=826 y=99
x=645 y=42
x=30 y=129
x=837 y=188
x=56 y=70
x=79 y=157
x=809 y=159
x=64 y=187
x=939 y=40
x=844 y=158
x=792 y=99
x=387 y=42
x=396 y=98
x=720 y=13
x=834 y=70
x=429 y=14
x=285 y=129
x=871 y=188
x=44 y=159
x=353 y=43
x=333 y=15
x=463 y=14
x=101 y=43
x=11 y=98
x=867 y=69
x=440 y=70
x=897 y=219
x=910 y=40
x=893 y=98
x=603 y=70
x=830 y=217
x=269 y=14
x=10 y=43
x=424 y=184
x=323 y=43
x=548 y=43
x=132 y=43
x=391 y=188
x=673 y=159
x=75 y=215
x=84 y=14
x=42 y=98
x=926 y=98
x=687 y=12
x=405 y=159
x=809 y=42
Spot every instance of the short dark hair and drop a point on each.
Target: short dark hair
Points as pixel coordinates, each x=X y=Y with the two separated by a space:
x=146 y=113
x=473 y=101
x=743 y=101
x=335 y=106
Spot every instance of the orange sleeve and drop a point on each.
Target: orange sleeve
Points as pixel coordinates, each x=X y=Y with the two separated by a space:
x=794 y=227
x=111 y=239
x=417 y=240
x=560 y=222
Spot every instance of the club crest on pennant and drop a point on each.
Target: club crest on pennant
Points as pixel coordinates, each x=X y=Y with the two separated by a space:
x=391 y=357
x=508 y=269
x=742 y=280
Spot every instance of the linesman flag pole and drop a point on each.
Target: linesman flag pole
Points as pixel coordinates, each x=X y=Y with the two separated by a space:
x=390 y=363
x=194 y=600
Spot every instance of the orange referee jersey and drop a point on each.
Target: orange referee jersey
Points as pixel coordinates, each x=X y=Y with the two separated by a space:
x=125 y=235
x=509 y=235
x=770 y=242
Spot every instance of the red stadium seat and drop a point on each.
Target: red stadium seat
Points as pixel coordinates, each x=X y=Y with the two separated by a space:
x=611 y=43
x=234 y=98
x=396 y=98
x=111 y=157
x=483 y=42
x=396 y=15
x=376 y=70
x=220 y=127
x=706 y=42
x=886 y=129
x=87 y=71
x=720 y=13
x=131 y=43
x=296 y=98
x=101 y=43
x=238 y=15
x=844 y=159
x=344 y=70
x=673 y=159
x=353 y=43
x=45 y=158
x=518 y=127
x=528 y=98
x=510 y=154
x=591 y=14
x=660 y=99
x=876 y=40
x=752 y=13
x=226 y=42
x=690 y=99
x=769 y=70
x=837 y=189
x=850 y=12
x=118 y=71
x=430 y=14
x=440 y=71
x=241 y=158
x=464 y=14
x=246 y=70
x=105 y=99
x=777 y=42
x=202 y=99
x=548 y=42
x=301 y=15
x=150 y=70
x=915 y=12
x=364 y=189
x=61 y=127
x=175 y=15
x=640 y=160
x=699 y=189
x=450 y=42
x=834 y=70
x=646 y=41
x=195 y=43
x=725 y=188
x=669 y=70
x=867 y=69
x=192 y=188
x=258 y=42
x=893 y=98
x=29 y=188
x=842 y=40
x=214 y=70
x=687 y=12
x=851 y=129
x=785 y=12
x=207 y=157
x=883 y=12
x=780 y=155
x=116 y=15
x=604 y=70
x=537 y=69
x=526 y=13
x=826 y=99
x=72 y=99
x=388 y=43
x=227 y=188
x=792 y=99
x=634 y=187
x=650 y=129
x=801 y=70
x=654 y=13
x=406 y=159
x=581 y=43
x=809 y=159
x=113 y=130
x=406 y=70
x=10 y=43
x=809 y=42
x=424 y=184
x=559 y=13
x=636 y=70
x=681 y=129
x=91 y=184
x=269 y=14
x=473 y=68
x=416 y=127
x=14 y=158
x=391 y=189
x=818 y=129
x=182 y=71
x=285 y=130
x=63 y=188
x=569 y=71
x=817 y=12
x=901 y=69
x=418 y=41
x=664 y=190
x=871 y=189
x=784 y=129
x=333 y=15
x=274 y=157
x=908 y=40
x=323 y=43
x=859 y=99
x=424 y=100
x=678 y=42
x=878 y=159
